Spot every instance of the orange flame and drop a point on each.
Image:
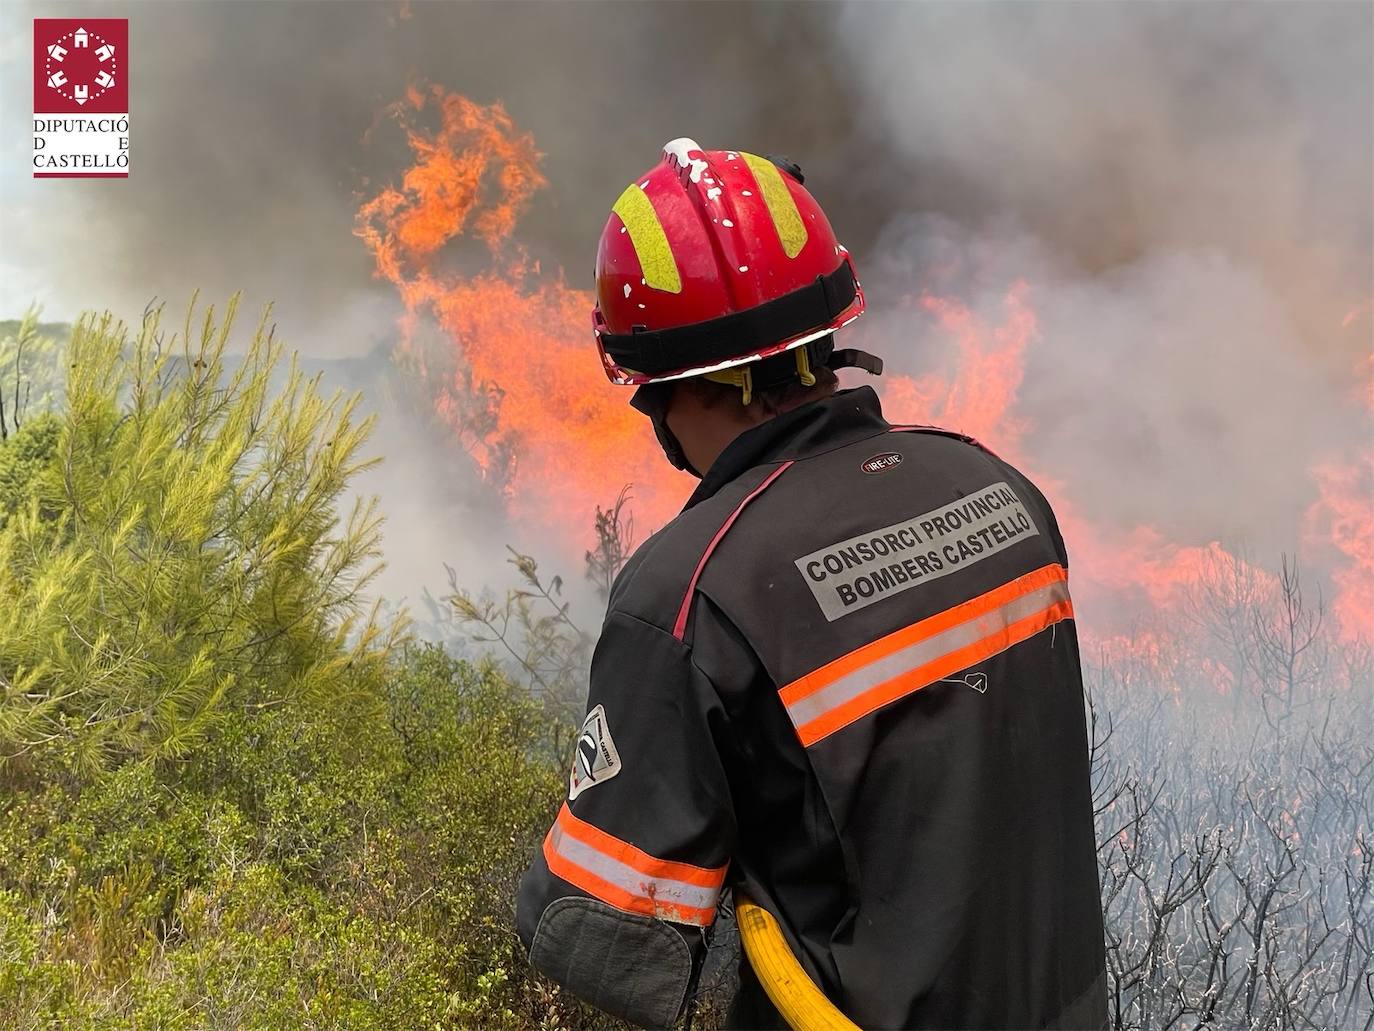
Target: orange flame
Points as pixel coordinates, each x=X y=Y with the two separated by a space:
x=1344 y=515
x=524 y=337
x=979 y=398
x=1342 y=519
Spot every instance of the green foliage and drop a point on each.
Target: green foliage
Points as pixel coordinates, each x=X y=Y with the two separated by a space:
x=37 y=988
x=254 y=950
x=301 y=868
x=25 y=457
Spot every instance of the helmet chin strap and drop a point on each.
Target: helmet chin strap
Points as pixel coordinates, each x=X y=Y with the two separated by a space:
x=853 y=358
x=672 y=448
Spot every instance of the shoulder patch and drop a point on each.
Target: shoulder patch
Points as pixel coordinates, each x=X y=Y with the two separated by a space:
x=595 y=759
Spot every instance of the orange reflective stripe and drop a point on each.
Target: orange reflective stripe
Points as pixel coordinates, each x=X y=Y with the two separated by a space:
x=628 y=878
x=899 y=639
x=706 y=877
x=626 y=901
x=916 y=656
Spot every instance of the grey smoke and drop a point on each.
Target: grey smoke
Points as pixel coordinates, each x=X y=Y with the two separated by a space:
x=1186 y=189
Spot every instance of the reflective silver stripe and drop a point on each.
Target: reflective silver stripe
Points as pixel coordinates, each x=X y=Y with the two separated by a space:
x=627 y=878
x=914 y=656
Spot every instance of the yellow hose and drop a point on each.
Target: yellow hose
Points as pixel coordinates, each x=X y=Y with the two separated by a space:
x=801 y=1003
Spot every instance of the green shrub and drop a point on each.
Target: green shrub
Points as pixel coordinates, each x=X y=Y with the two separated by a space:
x=298 y=869
x=254 y=949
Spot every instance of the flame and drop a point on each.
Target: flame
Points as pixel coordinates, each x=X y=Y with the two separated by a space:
x=979 y=398
x=561 y=439
x=1354 y=313
x=1342 y=520
x=1343 y=516
x=1118 y=571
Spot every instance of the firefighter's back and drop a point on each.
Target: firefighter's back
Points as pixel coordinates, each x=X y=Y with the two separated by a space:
x=909 y=758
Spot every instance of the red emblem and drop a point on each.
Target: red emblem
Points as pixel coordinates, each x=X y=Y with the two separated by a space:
x=80 y=66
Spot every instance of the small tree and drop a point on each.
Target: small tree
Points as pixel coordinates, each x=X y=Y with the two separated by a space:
x=195 y=564
x=534 y=627
x=1223 y=601
x=1291 y=649
x=615 y=542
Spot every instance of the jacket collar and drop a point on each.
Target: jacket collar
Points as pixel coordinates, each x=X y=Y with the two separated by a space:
x=842 y=418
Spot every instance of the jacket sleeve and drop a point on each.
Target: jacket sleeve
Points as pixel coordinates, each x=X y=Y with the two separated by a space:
x=615 y=904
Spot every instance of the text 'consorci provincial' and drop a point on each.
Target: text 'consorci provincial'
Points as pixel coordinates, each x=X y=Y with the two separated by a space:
x=853 y=573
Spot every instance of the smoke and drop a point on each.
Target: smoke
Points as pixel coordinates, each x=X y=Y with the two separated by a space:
x=1173 y=390
x=1184 y=189
x=1116 y=131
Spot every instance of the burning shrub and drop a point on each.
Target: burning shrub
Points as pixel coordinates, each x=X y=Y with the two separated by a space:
x=1235 y=832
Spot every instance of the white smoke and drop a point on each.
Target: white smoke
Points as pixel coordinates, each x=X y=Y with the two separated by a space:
x=1186 y=191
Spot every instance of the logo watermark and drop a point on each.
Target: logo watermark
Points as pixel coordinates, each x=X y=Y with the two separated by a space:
x=80 y=98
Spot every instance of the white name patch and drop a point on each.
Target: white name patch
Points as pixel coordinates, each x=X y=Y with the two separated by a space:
x=855 y=573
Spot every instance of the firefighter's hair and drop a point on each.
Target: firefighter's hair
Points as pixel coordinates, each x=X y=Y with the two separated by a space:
x=772 y=400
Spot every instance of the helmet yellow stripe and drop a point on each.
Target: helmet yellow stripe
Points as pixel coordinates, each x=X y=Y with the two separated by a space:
x=650 y=242
x=786 y=218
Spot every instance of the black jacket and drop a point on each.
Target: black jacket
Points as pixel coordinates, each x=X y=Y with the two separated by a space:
x=845 y=680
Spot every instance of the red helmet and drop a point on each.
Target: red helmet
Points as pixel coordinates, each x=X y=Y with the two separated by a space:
x=713 y=259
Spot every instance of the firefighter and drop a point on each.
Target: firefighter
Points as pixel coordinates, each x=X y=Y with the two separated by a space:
x=844 y=682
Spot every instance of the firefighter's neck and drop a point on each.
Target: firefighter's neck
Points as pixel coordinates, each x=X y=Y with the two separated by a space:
x=706 y=421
